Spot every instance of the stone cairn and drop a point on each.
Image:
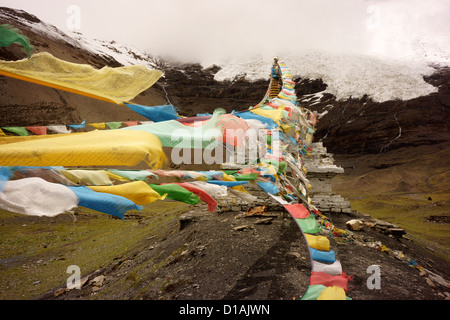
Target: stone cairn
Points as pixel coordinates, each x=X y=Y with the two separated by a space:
x=320 y=170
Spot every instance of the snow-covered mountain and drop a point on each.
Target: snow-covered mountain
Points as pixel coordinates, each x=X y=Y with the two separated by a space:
x=347 y=75
x=372 y=103
x=123 y=54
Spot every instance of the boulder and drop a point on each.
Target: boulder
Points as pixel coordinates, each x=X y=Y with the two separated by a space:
x=98 y=281
x=355 y=225
x=397 y=232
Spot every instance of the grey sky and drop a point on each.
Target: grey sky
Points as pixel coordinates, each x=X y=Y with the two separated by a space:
x=217 y=29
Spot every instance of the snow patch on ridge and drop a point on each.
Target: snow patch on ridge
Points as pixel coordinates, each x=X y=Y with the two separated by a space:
x=347 y=75
x=124 y=54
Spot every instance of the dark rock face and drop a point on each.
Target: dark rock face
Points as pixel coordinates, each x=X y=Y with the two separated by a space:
x=307 y=86
x=358 y=126
x=194 y=90
x=353 y=126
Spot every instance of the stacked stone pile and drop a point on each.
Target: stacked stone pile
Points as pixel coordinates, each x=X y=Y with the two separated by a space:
x=320 y=170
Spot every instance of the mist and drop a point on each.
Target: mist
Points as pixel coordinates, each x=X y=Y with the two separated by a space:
x=218 y=31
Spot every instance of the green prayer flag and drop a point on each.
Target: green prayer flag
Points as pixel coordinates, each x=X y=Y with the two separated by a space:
x=21 y=131
x=176 y=192
x=114 y=125
x=281 y=165
x=10 y=35
x=134 y=175
x=246 y=177
x=313 y=292
x=308 y=224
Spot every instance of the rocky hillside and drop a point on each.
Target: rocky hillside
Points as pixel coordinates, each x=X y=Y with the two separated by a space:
x=349 y=126
x=189 y=87
x=358 y=126
x=24 y=103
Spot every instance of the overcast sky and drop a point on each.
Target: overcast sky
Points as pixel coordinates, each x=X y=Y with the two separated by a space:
x=220 y=29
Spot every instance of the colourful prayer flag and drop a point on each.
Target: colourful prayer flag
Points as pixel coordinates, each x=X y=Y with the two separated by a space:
x=10 y=35
x=40 y=130
x=21 y=131
x=98 y=125
x=114 y=125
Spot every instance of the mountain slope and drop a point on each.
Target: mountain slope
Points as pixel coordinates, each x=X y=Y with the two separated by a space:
x=359 y=126
x=24 y=103
x=389 y=116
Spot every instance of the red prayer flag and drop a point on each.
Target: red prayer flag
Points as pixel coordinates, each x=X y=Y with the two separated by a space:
x=203 y=195
x=38 y=129
x=131 y=123
x=298 y=211
x=329 y=280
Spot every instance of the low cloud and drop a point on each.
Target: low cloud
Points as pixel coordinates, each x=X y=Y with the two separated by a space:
x=216 y=30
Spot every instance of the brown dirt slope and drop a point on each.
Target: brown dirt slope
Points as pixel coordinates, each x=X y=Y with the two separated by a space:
x=211 y=258
x=27 y=104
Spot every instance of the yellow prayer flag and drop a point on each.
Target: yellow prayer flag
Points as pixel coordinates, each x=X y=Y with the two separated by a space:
x=318 y=242
x=99 y=125
x=332 y=293
x=87 y=177
x=95 y=148
x=115 y=85
x=137 y=191
x=274 y=114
